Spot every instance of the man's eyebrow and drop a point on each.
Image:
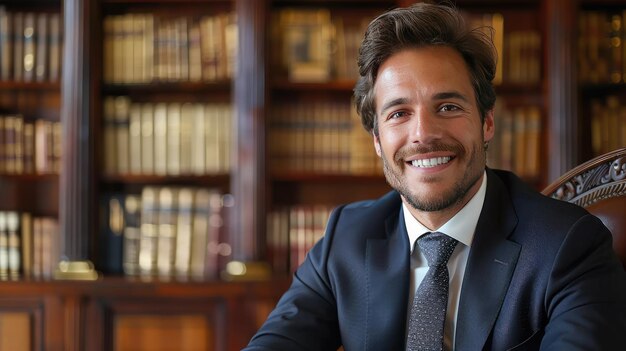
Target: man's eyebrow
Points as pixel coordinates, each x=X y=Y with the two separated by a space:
x=450 y=95
x=395 y=102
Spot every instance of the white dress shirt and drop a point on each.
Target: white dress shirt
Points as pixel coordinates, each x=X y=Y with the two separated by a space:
x=460 y=227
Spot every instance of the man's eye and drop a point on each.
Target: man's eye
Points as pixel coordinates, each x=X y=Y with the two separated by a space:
x=397 y=114
x=449 y=108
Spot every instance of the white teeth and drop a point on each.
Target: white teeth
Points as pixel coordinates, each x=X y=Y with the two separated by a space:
x=430 y=162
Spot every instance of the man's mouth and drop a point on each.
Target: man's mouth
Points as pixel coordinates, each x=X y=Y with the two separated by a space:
x=430 y=162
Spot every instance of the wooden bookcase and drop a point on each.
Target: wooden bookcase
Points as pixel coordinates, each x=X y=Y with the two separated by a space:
x=289 y=156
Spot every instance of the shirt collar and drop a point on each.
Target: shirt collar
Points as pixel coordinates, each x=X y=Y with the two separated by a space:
x=460 y=227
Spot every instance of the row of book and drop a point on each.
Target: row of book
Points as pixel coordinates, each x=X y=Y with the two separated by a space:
x=601 y=49
x=314 y=46
x=166 y=138
x=170 y=232
x=292 y=232
x=30 y=46
x=326 y=137
x=519 y=51
x=608 y=124
x=516 y=145
x=29 y=246
x=28 y=147
x=142 y=48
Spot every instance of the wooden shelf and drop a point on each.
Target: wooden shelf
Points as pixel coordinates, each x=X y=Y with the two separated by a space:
x=295 y=177
x=30 y=86
x=169 y=87
x=333 y=85
x=217 y=179
x=30 y=177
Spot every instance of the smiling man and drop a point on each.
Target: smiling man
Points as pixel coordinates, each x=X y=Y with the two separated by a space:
x=458 y=256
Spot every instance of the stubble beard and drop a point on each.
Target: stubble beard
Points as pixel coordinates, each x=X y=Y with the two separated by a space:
x=454 y=196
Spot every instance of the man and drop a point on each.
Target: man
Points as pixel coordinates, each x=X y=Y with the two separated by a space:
x=524 y=272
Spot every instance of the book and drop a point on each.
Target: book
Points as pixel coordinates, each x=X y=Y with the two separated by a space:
x=18 y=144
x=37 y=253
x=18 y=46
x=160 y=139
x=199 y=234
x=198 y=141
x=57 y=147
x=148 y=48
x=6 y=46
x=41 y=54
x=224 y=132
x=132 y=234
x=128 y=74
x=211 y=126
x=186 y=131
x=149 y=234
x=9 y=144
x=173 y=139
x=56 y=46
x=109 y=153
x=43 y=136
x=195 y=53
x=50 y=254
x=2 y=146
x=147 y=138
x=14 y=258
x=166 y=231
x=29 y=148
x=184 y=223
x=307 y=43
x=112 y=233
x=4 y=246
x=122 y=139
x=26 y=226
x=29 y=40
x=134 y=135
x=108 y=49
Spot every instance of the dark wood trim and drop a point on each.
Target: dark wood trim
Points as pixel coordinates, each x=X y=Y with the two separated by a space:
x=248 y=175
x=76 y=198
x=564 y=147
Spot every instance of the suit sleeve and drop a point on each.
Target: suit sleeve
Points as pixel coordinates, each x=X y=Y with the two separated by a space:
x=586 y=294
x=305 y=317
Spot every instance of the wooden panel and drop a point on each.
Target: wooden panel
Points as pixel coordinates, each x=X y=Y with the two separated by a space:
x=155 y=332
x=15 y=331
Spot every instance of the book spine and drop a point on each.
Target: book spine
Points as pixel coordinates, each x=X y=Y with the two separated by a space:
x=132 y=234
x=6 y=41
x=30 y=40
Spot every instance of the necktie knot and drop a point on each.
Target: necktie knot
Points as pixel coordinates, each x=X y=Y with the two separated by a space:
x=437 y=247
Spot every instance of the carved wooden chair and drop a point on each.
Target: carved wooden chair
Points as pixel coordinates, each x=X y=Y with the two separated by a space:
x=599 y=185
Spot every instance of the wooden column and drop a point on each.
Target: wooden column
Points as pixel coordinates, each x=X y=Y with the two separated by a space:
x=248 y=176
x=563 y=124
x=76 y=179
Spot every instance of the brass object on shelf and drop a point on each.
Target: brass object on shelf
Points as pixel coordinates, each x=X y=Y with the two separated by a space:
x=75 y=270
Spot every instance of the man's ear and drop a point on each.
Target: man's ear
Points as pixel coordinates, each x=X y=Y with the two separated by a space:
x=489 y=127
x=376 y=144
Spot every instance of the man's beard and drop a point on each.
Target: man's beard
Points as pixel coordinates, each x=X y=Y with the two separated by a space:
x=447 y=199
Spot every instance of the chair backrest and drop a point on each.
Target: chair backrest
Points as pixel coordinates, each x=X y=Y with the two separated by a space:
x=599 y=185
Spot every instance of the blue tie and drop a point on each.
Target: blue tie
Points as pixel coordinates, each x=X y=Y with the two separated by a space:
x=428 y=311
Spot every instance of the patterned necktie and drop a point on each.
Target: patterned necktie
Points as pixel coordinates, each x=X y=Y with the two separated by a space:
x=428 y=311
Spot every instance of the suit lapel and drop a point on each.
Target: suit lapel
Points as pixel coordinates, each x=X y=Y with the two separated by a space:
x=489 y=269
x=387 y=265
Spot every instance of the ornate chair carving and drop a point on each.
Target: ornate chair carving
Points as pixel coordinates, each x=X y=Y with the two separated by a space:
x=599 y=185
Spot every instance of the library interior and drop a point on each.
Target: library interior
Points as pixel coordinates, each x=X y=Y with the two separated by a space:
x=165 y=165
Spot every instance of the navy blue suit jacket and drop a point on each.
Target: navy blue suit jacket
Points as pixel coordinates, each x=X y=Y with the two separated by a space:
x=541 y=274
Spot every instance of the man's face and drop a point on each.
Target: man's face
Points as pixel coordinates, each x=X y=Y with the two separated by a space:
x=430 y=132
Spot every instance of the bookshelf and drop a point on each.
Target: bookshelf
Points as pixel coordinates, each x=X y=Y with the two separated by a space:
x=290 y=149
